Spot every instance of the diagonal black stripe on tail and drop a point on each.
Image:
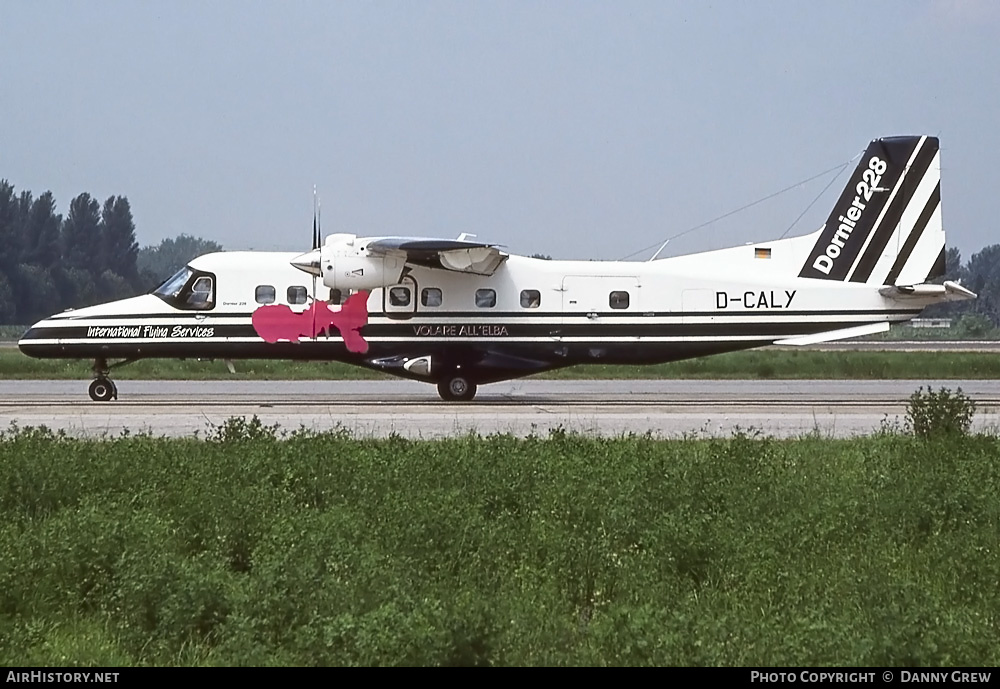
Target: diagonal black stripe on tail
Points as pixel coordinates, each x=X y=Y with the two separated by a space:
x=939 y=268
x=904 y=194
x=914 y=236
x=860 y=204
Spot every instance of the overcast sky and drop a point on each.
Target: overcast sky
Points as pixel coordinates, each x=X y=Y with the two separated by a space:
x=575 y=129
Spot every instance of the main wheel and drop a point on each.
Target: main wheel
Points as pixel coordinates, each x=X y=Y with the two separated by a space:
x=103 y=390
x=456 y=389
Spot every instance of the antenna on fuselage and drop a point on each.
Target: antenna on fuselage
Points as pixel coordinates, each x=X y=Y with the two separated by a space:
x=662 y=247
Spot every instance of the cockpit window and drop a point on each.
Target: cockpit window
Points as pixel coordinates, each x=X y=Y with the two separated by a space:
x=173 y=285
x=201 y=293
x=188 y=289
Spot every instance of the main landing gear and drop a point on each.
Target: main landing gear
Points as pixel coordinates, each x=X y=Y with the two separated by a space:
x=103 y=389
x=456 y=389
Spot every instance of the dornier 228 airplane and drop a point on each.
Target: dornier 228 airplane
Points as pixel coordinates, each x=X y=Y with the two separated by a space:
x=461 y=313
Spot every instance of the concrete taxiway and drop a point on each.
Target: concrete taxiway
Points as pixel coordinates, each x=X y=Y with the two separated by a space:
x=666 y=408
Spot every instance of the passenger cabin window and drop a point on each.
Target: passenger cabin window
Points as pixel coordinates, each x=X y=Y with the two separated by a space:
x=486 y=298
x=264 y=294
x=531 y=298
x=399 y=296
x=618 y=300
x=296 y=294
x=430 y=296
x=336 y=297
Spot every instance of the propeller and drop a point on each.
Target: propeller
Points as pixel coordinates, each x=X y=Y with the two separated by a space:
x=309 y=262
x=316 y=212
x=315 y=254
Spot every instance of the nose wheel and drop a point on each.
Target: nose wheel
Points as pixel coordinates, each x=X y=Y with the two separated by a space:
x=456 y=389
x=103 y=390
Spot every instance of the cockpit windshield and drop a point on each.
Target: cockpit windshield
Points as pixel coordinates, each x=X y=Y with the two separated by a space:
x=188 y=289
x=173 y=285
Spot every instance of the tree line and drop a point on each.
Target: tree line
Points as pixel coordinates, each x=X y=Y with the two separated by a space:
x=49 y=263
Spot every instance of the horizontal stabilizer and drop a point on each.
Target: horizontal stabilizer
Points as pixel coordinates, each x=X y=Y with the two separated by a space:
x=949 y=291
x=831 y=335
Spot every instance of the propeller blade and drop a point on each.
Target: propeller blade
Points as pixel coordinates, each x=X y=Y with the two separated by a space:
x=315 y=237
x=318 y=239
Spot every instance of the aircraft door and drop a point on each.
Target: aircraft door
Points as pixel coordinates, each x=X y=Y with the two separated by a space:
x=590 y=298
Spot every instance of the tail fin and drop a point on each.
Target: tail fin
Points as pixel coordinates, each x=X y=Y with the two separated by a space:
x=886 y=227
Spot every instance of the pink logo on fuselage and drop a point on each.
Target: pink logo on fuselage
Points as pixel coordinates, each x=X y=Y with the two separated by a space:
x=278 y=322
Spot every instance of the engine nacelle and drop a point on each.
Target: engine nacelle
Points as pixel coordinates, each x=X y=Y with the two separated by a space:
x=346 y=266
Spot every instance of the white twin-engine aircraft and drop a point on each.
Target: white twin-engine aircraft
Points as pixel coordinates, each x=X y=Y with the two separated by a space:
x=461 y=313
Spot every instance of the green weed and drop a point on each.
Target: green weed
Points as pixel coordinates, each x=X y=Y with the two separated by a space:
x=259 y=548
x=939 y=413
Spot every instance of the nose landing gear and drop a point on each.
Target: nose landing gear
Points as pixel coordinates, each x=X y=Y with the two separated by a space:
x=103 y=389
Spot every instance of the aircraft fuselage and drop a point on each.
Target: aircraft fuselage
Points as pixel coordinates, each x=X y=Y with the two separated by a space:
x=460 y=313
x=530 y=315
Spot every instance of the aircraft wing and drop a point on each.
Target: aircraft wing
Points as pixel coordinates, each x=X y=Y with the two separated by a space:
x=457 y=255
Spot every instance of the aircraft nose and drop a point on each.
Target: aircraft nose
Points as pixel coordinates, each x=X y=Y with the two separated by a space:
x=29 y=343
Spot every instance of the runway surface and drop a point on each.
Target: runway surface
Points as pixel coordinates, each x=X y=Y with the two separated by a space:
x=666 y=408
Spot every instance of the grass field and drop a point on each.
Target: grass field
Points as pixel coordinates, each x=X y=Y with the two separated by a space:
x=323 y=550
x=757 y=364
